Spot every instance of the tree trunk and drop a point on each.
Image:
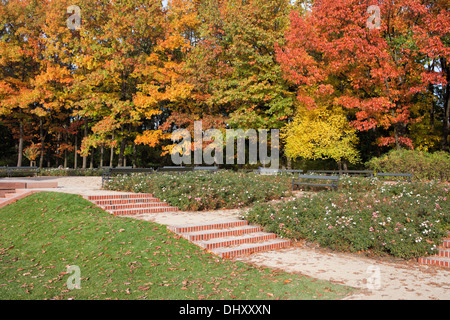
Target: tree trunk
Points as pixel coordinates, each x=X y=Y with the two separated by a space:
x=121 y=152
x=58 y=144
x=20 y=151
x=91 y=164
x=134 y=155
x=75 y=161
x=66 y=139
x=111 y=158
x=101 y=155
x=121 y=148
x=42 y=137
x=85 y=135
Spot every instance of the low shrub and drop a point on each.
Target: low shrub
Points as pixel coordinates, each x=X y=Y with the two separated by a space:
x=192 y=191
x=423 y=165
x=404 y=220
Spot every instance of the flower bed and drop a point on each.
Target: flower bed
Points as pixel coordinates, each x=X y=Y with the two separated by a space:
x=404 y=220
x=192 y=191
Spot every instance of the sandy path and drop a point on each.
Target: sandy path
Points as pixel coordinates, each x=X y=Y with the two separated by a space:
x=376 y=279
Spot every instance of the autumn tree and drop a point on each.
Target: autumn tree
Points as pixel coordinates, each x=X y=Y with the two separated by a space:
x=376 y=74
x=20 y=47
x=233 y=65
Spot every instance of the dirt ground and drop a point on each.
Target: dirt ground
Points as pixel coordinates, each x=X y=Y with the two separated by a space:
x=375 y=279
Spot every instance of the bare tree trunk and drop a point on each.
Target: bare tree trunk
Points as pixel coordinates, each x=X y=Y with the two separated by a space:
x=58 y=144
x=134 y=155
x=75 y=161
x=20 y=151
x=101 y=155
x=91 y=164
x=85 y=135
x=122 y=149
x=121 y=153
x=41 y=135
x=111 y=158
x=66 y=139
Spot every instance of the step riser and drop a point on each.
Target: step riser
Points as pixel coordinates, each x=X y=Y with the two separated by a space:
x=220 y=234
x=444 y=253
x=262 y=248
x=119 y=196
x=432 y=261
x=442 y=258
x=135 y=206
x=141 y=211
x=224 y=225
x=231 y=242
x=124 y=201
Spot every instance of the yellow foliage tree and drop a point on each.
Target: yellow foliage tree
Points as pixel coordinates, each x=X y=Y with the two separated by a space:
x=320 y=133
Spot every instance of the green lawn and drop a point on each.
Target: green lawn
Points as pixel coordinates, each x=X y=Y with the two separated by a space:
x=124 y=258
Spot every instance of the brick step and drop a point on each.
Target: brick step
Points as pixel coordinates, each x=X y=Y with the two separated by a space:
x=443 y=252
x=236 y=240
x=128 y=212
x=15 y=193
x=435 y=260
x=4 y=193
x=218 y=233
x=135 y=205
x=119 y=196
x=442 y=258
x=207 y=226
x=248 y=248
x=125 y=201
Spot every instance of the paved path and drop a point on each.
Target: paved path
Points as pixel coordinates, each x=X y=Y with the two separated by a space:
x=376 y=279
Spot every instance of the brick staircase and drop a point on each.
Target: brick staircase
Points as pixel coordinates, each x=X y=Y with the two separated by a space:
x=229 y=239
x=130 y=203
x=442 y=258
x=226 y=239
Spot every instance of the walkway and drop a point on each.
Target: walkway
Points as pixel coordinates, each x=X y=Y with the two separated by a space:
x=376 y=278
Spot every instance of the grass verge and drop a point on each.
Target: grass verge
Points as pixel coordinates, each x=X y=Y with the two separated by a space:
x=124 y=258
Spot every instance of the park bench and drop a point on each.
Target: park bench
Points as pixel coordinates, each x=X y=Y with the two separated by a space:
x=392 y=176
x=299 y=181
x=292 y=170
x=175 y=169
x=19 y=171
x=206 y=169
x=109 y=172
x=266 y=171
x=364 y=173
x=270 y=171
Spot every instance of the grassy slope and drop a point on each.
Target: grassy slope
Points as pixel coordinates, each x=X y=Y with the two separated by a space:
x=124 y=258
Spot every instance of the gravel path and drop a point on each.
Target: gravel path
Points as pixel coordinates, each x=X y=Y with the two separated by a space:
x=375 y=278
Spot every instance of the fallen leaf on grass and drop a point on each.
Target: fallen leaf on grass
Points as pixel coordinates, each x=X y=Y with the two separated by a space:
x=143 y=288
